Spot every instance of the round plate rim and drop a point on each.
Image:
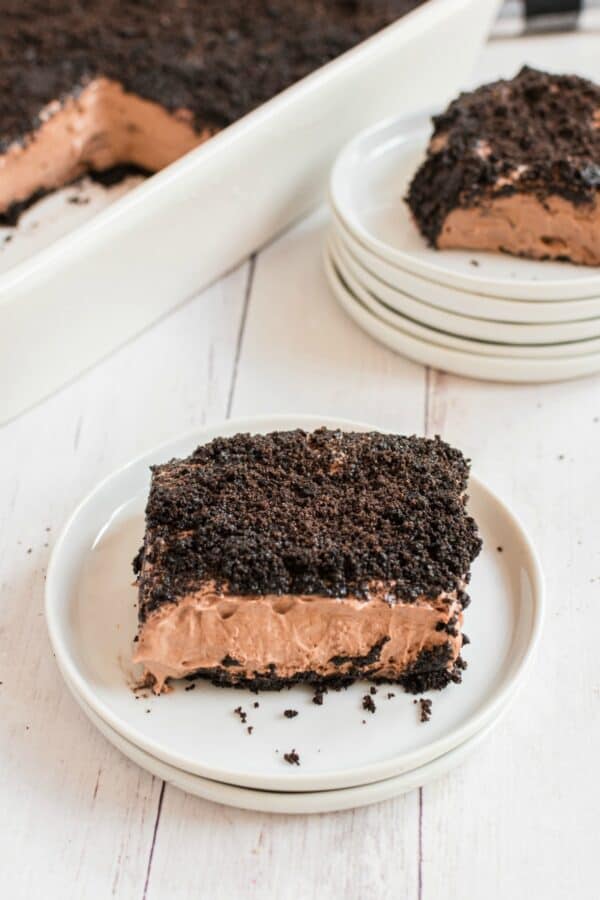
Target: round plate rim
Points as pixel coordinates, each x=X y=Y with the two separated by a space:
x=447 y=359
x=521 y=334
x=327 y=780
x=472 y=345
x=445 y=296
x=292 y=802
x=411 y=126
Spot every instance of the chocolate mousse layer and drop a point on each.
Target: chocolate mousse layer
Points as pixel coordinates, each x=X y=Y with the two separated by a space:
x=320 y=557
x=85 y=87
x=515 y=167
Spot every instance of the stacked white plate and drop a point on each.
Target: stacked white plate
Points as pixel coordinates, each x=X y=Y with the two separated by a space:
x=482 y=315
x=194 y=738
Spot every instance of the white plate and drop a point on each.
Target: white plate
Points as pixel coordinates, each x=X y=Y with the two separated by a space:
x=464 y=326
x=91 y=620
x=435 y=335
x=368 y=183
x=470 y=365
x=294 y=803
x=464 y=302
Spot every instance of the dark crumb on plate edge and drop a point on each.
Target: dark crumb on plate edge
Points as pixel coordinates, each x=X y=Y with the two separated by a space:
x=292 y=758
x=290 y=713
x=368 y=704
x=425 y=708
x=240 y=712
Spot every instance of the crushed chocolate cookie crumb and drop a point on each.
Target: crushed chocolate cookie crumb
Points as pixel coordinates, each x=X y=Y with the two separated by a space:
x=240 y=712
x=190 y=687
x=426 y=705
x=373 y=689
x=78 y=200
x=250 y=729
x=318 y=698
x=256 y=704
x=229 y=661
x=368 y=704
x=500 y=549
x=290 y=713
x=292 y=758
x=390 y=695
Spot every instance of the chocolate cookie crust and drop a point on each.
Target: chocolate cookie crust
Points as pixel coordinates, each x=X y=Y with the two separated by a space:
x=544 y=127
x=217 y=59
x=326 y=513
x=429 y=672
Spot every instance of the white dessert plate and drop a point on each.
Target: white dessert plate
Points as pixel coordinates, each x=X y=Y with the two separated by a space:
x=467 y=344
x=447 y=359
x=91 y=620
x=368 y=183
x=292 y=802
x=454 y=300
x=464 y=326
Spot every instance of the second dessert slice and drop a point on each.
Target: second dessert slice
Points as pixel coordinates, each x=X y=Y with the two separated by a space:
x=515 y=167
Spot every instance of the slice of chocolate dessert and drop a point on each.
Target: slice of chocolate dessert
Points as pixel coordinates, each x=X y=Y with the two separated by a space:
x=319 y=557
x=515 y=167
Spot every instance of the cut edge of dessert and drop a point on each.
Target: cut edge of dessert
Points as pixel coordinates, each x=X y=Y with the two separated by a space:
x=514 y=167
x=294 y=557
x=100 y=128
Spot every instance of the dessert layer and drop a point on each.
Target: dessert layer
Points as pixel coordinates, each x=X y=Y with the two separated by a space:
x=326 y=513
x=102 y=127
x=283 y=638
x=525 y=226
x=526 y=153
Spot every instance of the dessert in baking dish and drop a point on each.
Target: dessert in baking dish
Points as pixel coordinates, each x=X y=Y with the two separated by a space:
x=320 y=557
x=515 y=167
x=90 y=86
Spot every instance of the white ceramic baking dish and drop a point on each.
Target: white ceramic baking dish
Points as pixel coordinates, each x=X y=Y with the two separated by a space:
x=89 y=291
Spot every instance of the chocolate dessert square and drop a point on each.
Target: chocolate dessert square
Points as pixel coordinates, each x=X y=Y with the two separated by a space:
x=320 y=557
x=515 y=167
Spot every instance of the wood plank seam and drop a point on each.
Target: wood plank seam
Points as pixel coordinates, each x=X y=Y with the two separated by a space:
x=154 y=835
x=231 y=393
x=240 y=337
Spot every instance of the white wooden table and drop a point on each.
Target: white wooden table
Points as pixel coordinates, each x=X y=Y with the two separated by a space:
x=518 y=820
